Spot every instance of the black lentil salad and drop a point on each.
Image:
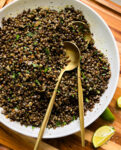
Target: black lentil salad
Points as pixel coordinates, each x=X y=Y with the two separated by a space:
x=31 y=52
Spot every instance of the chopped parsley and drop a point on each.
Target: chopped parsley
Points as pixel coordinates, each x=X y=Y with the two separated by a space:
x=47 y=51
x=35 y=65
x=33 y=127
x=14 y=76
x=30 y=34
x=64 y=123
x=36 y=81
x=17 y=37
x=105 y=68
x=74 y=118
x=83 y=75
x=58 y=123
x=87 y=100
x=9 y=99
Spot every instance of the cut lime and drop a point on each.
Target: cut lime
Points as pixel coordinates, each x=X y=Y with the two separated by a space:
x=102 y=135
x=107 y=115
x=119 y=102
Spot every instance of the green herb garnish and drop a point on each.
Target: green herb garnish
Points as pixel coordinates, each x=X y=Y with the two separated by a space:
x=19 y=73
x=83 y=75
x=17 y=37
x=47 y=51
x=98 y=92
x=87 y=100
x=104 y=68
x=35 y=43
x=30 y=34
x=58 y=123
x=46 y=70
x=35 y=65
x=74 y=118
x=33 y=127
x=58 y=91
x=25 y=47
x=80 y=58
x=27 y=71
x=14 y=76
x=72 y=95
x=37 y=82
x=64 y=123
x=103 y=74
x=9 y=99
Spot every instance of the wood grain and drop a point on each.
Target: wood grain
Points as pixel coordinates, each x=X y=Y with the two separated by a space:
x=16 y=141
x=2 y=3
x=110 y=5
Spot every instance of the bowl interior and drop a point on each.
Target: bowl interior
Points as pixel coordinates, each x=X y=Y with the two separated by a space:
x=104 y=41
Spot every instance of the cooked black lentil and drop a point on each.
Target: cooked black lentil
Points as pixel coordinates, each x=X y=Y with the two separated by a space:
x=31 y=52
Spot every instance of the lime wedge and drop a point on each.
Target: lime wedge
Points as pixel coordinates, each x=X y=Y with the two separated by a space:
x=107 y=115
x=102 y=135
x=119 y=102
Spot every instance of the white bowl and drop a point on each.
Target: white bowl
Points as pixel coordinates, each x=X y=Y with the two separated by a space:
x=104 y=41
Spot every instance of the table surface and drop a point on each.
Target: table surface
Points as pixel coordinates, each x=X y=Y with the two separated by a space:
x=111 y=14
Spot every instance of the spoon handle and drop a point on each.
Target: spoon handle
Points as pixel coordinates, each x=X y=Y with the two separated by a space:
x=48 y=112
x=81 y=108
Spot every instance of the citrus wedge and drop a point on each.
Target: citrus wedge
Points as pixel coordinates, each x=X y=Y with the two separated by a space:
x=102 y=135
x=107 y=115
x=119 y=102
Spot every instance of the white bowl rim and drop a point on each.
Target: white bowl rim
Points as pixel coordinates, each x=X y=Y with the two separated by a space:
x=111 y=95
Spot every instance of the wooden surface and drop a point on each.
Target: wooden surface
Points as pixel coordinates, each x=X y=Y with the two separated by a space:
x=16 y=141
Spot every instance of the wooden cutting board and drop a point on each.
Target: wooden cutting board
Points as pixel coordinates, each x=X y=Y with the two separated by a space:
x=15 y=141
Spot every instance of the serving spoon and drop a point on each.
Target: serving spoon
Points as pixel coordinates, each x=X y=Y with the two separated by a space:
x=73 y=54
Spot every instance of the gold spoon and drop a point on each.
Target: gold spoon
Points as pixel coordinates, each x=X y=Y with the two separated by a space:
x=87 y=35
x=74 y=58
x=80 y=95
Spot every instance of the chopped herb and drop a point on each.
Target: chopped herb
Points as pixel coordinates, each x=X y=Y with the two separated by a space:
x=30 y=34
x=14 y=76
x=83 y=75
x=80 y=58
x=9 y=99
x=98 y=92
x=58 y=91
x=58 y=123
x=49 y=68
x=72 y=95
x=37 y=28
x=17 y=37
x=87 y=100
x=25 y=47
x=104 y=68
x=35 y=43
x=35 y=65
x=37 y=82
x=61 y=20
x=30 y=52
x=27 y=71
x=19 y=73
x=81 y=27
x=64 y=123
x=95 y=53
x=33 y=127
x=103 y=74
x=47 y=51
x=74 y=118
x=46 y=70
x=75 y=89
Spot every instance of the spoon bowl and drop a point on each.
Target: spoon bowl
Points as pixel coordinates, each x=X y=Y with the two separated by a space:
x=73 y=53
